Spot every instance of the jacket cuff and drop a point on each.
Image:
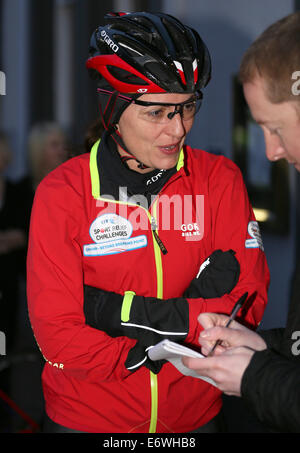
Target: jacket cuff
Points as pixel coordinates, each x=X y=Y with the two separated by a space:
x=272 y=337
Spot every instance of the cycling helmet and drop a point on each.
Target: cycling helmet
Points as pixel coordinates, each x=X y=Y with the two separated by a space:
x=149 y=53
x=139 y=53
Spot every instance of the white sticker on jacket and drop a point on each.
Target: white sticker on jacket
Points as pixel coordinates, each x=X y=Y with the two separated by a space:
x=111 y=234
x=254 y=233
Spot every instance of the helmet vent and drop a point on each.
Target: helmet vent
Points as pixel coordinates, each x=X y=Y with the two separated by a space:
x=132 y=52
x=179 y=38
x=125 y=76
x=159 y=71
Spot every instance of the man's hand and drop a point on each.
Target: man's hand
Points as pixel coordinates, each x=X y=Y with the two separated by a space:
x=231 y=358
x=234 y=336
x=225 y=369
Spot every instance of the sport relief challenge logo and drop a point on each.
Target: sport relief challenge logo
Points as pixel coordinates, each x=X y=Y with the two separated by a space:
x=111 y=234
x=254 y=233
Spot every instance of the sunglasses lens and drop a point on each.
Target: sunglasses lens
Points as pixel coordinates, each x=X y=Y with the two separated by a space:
x=163 y=113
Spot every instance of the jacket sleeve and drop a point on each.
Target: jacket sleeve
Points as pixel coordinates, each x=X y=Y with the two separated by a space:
x=233 y=226
x=55 y=291
x=273 y=338
x=271 y=388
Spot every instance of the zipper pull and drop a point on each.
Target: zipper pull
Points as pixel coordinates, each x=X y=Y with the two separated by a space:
x=157 y=238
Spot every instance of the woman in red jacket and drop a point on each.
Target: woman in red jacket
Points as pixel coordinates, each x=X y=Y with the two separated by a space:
x=118 y=237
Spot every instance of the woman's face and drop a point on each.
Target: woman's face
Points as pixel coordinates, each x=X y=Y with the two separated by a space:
x=155 y=144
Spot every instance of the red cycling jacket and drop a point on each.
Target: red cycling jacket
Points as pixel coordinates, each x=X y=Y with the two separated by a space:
x=77 y=238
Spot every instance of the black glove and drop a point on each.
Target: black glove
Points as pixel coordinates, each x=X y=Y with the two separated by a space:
x=146 y=319
x=150 y=320
x=138 y=356
x=217 y=276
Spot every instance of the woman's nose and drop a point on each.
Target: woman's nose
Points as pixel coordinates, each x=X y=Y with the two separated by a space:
x=176 y=126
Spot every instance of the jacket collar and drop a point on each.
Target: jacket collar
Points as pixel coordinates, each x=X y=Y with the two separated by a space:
x=94 y=170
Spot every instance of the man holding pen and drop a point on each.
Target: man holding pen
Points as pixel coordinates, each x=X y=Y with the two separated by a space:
x=264 y=368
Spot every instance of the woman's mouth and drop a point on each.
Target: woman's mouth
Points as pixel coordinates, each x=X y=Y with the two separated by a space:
x=170 y=149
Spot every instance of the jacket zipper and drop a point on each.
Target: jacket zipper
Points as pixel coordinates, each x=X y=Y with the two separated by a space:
x=158 y=249
x=157 y=238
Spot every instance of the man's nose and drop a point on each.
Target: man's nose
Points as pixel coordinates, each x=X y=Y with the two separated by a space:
x=274 y=148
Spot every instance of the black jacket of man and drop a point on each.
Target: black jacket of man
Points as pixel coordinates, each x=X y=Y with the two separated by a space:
x=271 y=382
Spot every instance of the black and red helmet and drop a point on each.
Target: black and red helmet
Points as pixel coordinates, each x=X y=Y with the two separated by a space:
x=148 y=53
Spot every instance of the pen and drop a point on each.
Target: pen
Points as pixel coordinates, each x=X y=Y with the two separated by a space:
x=233 y=314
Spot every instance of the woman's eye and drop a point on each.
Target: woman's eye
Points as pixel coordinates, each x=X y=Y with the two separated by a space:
x=190 y=107
x=157 y=113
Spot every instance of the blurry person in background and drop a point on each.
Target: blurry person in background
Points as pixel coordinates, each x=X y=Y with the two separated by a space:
x=47 y=148
x=11 y=236
x=13 y=243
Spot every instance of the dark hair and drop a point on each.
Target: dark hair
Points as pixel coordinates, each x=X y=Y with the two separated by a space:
x=94 y=132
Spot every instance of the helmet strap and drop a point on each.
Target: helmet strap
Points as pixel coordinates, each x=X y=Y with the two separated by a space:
x=107 y=114
x=116 y=136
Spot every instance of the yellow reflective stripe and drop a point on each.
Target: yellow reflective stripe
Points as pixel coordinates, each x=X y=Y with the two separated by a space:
x=128 y=296
x=158 y=262
x=180 y=161
x=154 y=402
x=126 y=305
x=95 y=182
x=159 y=295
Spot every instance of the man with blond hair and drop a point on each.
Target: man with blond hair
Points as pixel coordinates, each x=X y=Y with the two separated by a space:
x=264 y=368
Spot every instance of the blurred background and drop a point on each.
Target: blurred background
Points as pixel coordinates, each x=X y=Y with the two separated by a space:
x=47 y=101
